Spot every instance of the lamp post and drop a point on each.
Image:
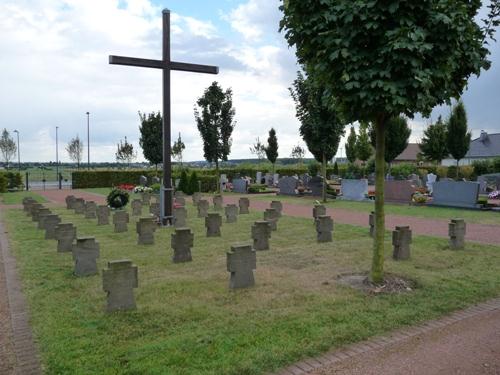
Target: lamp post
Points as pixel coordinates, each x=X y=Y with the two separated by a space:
x=18 y=152
x=57 y=159
x=88 y=141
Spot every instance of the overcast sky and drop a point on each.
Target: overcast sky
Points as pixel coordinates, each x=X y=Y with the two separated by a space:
x=54 y=68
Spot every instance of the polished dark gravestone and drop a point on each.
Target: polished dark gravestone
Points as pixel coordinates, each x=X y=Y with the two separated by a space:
x=180 y=216
x=102 y=215
x=182 y=242
x=324 y=228
x=278 y=206
x=79 y=206
x=136 y=207
x=231 y=211
x=49 y=224
x=90 y=210
x=288 y=186
x=455 y=194
x=213 y=222
x=371 y=223
x=244 y=204
x=85 y=254
x=456 y=232
x=318 y=210
x=203 y=208
x=145 y=229
x=120 y=220
x=240 y=186
x=65 y=234
x=316 y=186
x=166 y=65
x=271 y=216
x=354 y=190
x=401 y=240
x=241 y=261
x=119 y=281
x=399 y=191
x=261 y=233
x=218 y=202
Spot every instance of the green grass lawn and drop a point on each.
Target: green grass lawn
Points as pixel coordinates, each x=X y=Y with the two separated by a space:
x=17 y=197
x=470 y=216
x=189 y=322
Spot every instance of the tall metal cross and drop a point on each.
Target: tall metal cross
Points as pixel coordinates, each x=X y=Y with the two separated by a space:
x=166 y=65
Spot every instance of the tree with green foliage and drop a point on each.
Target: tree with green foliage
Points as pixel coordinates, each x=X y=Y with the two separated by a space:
x=151 y=139
x=184 y=182
x=363 y=147
x=74 y=149
x=298 y=153
x=214 y=114
x=335 y=168
x=125 y=152
x=350 y=146
x=433 y=146
x=258 y=149
x=177 y=149
x=194 y=184
x=380 y=59
x=321 y=127
x=457 y=136
x=8 y=147
x=272 y=148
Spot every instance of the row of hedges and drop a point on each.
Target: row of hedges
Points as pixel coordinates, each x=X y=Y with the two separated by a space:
x=10 y=181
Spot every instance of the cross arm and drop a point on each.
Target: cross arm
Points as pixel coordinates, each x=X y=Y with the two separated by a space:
x=134 y=61
x=195 y=68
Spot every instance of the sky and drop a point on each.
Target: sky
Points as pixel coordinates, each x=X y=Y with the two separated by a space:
x=54 y=68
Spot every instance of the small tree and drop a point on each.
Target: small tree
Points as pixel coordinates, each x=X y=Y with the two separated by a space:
x=214 y=114
x=258 y=149
x=184 y=182
x=363 y=147
x=458 y=138
x=272 y=148
x=298 y=153
x=194 y=185
x=434 y=146
x=350 y=146
x=125 y=152
x=75 y=150
x=7 y=147
x=151 y=140
x=335 y=168
x=177 y=149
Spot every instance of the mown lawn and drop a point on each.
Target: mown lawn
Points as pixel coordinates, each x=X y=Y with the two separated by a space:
x=17 y=197
x=189 y=322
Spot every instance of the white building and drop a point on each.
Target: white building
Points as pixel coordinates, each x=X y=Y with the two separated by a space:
x=487 y=146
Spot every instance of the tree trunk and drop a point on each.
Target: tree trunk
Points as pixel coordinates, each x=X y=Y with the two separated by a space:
x=458 y=160
x=217 y=176
x=323 y=172
x=377 y=272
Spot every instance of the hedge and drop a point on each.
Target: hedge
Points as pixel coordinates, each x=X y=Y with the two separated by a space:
x=10 y=180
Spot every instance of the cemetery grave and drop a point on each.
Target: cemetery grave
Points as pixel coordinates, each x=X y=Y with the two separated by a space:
x=190 y=305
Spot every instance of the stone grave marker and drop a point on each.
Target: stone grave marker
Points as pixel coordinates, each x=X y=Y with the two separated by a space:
x=305 y=178
x=182 y=241
x=28 y=202
x=244 y=204
x=401 y=240
x=231 y=211
x=49 y=224
x=90 y=210
x=70 y=201
x=218 y=202
x=180 y=215
x=261 y=233
x=154 y=209
x=241 y=261
x=288 y=186
x=181 y=200
x=354 y=190
x=40 y=215
x=318 y=210
x=278 y=206
x=431 y=180
x=33 y=210
x=455 y=194
x=120 y=220
x=269 y=179
x=240 y=186
x=371 y=222
x=196 y=198
x=316 y=186
x=79 y=206
x=276 y=178
x=258 y=178
x=203 y=208
x=119 y=281
x=399 y=191
x=65 y=234
x=102 y=215
x=145 y=229
x=456 y=232
x=213 y=222
x=85 y=254
x=324 y=228
x=136 y=207
x=146 y=198
x=271 y=216
x=143 y=181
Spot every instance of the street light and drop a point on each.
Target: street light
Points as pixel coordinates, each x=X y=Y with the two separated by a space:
x=18 y=152
x=88 y=142
x=57 y=159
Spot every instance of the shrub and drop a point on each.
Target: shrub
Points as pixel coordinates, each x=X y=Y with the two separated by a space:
x=117 y=198
x=335 y=169
x=482 y=167
x=3 y=183
x=466 y=171
x=313 y=168
x=451 y=172
x=354 y=171
x=184 y=183
x=441 y=171
x=194 y=183
x=495 y=165
x=257 y=188
x=403 y=170
x=156 y=188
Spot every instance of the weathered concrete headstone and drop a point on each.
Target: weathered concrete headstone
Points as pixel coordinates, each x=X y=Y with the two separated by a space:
x=231 y=211
x=90 y=210
x=154 y=209
x=145 y=229
x=456 y=232
x=318 y=210
x=37 y=210
x=244 y=204
x=119 y=281
x=288 y=186
x=213 y=222
x=65 y=234
x=70 y=201
x=399 y=191
x=146 y=198
x=269 y=179
x=28 y=202
x=240 y=185
x=258 y=178
x=181 y=200
x=261 y=233
x=120 y=220
x=401 y=240
x=49 y=224
x=79 y=206
x=85 y=254
x=354 y=190
x=203 y=208
x=40 y=215
x=218 y=202
x=455 y=194
x=180 y=215
x=278 y=206
x=136 y=207
x=324 y=228
x=102 y=215
x=241 y=261
x=33 y=210
x=143 y=180
x=182 y=242
x=316 y=186
x=196 y=198
x=271 y=216
x=371 y=222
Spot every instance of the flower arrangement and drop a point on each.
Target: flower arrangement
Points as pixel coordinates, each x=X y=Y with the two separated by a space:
x=126 y=187
x=142 y=189
x=494 y=195
x=419 y=198
x=117 y=198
